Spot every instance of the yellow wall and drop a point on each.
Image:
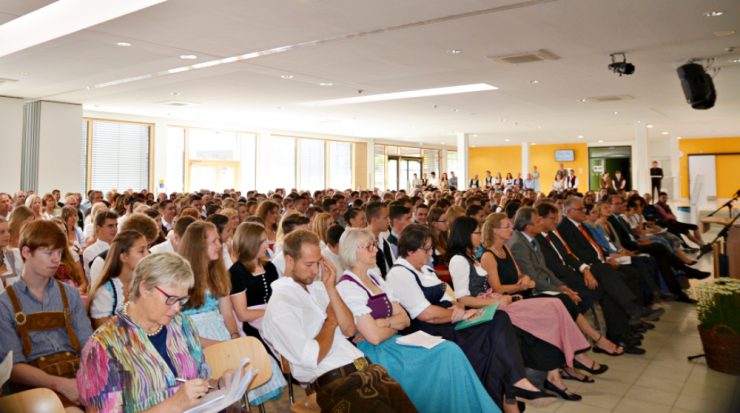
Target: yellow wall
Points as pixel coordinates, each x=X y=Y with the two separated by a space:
x=495 y=159
x=509 y=159
x=543 y=156
x=728 y=179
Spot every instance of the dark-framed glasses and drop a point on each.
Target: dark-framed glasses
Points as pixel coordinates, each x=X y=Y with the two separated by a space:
x=173 y=299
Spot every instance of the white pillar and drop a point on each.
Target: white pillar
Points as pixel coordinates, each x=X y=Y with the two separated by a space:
x=463 y=146
x=640 y=164
x=675 y=168
x=442 y=163
x=11 y=138
x=525 y=159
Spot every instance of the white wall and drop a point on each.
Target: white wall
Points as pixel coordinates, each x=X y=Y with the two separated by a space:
x=11 y=141
x=59 y=148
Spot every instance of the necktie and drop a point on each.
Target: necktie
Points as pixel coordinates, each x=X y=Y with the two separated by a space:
x=565 y=244
x=547 y=237
x=388 y=254
x=380 y=262
x=592 y=242
x=534 y=244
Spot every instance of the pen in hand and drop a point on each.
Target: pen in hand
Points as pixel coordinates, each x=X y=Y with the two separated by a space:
x=181 y=380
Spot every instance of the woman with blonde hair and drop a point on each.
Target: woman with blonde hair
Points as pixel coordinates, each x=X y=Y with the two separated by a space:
x=34 y=202
x=20 y=216
x=209 y=305
x=320 y=224
x=111 y=290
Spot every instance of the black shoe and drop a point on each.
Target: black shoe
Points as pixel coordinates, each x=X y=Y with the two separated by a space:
x=652 y=315
x=639 y=328
x=649 y=326
x=683 y=298
x=630 y=349
x=537 y=398
x=637 y=336
x=634 y=320
x=694 y=273
x=602 y=367
x=667 y=297
x=563 y=393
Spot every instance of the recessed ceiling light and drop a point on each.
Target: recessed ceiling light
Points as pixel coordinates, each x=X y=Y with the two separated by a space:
x=714 y=13
x=734 y=60
x=616 y=113
x=455 y=110
x=533 y=144
x=408 y=94
x=175 y=93
x=455 y=51
x=507 y=140
x=534 y=82
x=287 y=76
x=581 y=100
x=326 y=84
x=601 y=141
x=188 y=57
x=475 y=135
x=649 y=126
x=678 y=137
x=664 y=133
x=123 y=44
x=580 y=136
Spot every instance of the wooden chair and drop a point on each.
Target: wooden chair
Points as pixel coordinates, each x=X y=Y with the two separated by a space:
x=39 y=400
x=228 y=354
x=307 y=404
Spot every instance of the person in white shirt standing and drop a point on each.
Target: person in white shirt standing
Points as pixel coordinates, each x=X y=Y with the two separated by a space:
x=307 y=323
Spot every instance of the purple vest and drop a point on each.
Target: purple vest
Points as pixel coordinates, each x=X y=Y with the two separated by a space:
x=380 y=305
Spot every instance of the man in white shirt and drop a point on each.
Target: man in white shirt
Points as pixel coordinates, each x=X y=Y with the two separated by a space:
x=173 y=242
x=168 y=216
x=307 y=322
x=106 y=224
x=376 y=214
x=5 y=204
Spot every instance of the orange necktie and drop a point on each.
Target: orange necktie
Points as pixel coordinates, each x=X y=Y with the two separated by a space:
x=592 y=242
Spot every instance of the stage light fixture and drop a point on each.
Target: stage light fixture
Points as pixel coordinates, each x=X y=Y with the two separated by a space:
x=623 y=67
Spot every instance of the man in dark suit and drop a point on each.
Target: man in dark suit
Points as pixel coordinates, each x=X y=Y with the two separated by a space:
x=618 y=302
x=665 y=259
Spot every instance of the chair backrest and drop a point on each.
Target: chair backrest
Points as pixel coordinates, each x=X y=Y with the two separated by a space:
x=39 y=400
x=228 y=354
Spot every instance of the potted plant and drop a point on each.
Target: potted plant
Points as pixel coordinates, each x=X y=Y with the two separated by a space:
x=718 y=310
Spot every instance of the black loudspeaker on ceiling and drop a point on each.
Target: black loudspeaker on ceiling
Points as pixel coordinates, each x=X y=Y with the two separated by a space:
x=697 y=85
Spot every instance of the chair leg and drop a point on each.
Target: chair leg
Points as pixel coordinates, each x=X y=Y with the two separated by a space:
x=262 y=408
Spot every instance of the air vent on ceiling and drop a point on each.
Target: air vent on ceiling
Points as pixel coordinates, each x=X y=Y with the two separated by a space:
x=527 y=57
x=6 y=80
x=179 y=103
x=611 y=98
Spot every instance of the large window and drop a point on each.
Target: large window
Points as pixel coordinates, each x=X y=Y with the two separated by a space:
x=379 y=166
x=311 y=175
x=452 y=162
x=394 y=166
x=220 y=160
x=340 y=165
x=278 y=163
x=118 y=156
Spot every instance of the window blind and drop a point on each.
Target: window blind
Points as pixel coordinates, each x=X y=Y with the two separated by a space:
x=340 y=165
x=312 y=164
x=120 y=156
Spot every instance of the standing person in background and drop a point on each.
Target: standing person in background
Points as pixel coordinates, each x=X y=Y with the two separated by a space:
x=488 y=180
x=562 y=170
x=571 y=181
x=656 y=176
x=558 y=185
x=605 y=182
x=444 y=182
x=536 y=178
x=453 y=181
x=619 y=183
x=475 y=182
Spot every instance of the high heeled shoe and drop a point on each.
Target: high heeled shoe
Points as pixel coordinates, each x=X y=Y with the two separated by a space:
x=563 y=393
x=602 y=368
x=536 y=398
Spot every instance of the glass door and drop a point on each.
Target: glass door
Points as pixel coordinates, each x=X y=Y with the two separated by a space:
x=401 y=170
x=215 y=175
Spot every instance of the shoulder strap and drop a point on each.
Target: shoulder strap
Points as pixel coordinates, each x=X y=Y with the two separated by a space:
x=68 y=319
x=346 y=277
x=418 y=281
x=115 y=296
x=20 y=321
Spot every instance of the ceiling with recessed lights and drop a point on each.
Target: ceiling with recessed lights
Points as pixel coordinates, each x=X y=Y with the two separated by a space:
x=256 y=64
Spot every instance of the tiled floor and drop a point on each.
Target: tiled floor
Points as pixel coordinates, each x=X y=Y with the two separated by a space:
x=661 y=381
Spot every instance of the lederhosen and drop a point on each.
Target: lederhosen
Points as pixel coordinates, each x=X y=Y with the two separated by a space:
x=63 y=364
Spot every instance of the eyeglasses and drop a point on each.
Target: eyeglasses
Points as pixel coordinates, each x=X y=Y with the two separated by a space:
x=370 y=247
x=427 y=249
x=173 y=299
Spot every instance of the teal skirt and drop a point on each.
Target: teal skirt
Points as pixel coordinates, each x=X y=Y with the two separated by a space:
x=440 y=379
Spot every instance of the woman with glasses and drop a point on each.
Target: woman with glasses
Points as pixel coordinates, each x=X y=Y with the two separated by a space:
x=439 y=379
x=209 y=305
x=437 y=222
x=491 y=346
x=148 y=357
x=111 y=290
